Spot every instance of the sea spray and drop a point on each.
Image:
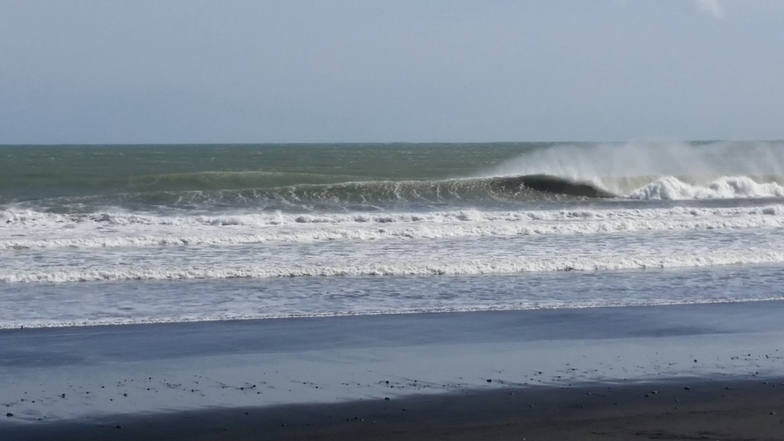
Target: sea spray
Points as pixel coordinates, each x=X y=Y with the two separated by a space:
x=624 y=168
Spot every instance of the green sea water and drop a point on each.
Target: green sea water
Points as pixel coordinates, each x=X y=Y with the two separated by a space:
x=34 y=172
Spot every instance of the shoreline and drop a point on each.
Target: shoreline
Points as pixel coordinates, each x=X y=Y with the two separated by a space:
x=453 y=372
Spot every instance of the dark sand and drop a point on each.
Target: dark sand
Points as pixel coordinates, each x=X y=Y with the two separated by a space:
x=728 y=409
x=712 y=372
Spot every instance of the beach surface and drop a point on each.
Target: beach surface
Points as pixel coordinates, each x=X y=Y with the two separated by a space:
x=711 y=371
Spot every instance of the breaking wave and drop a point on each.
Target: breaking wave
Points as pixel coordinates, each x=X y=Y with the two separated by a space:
x=359 y=195
x=375 y=196
x=736 y=187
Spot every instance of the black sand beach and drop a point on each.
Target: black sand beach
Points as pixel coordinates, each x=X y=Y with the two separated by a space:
x=716 y=409
x=675 y=372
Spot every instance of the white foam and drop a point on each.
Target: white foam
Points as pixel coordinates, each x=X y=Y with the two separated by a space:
x=671 y=188
x=34 y=230
x=474 y=265
x=162 y=302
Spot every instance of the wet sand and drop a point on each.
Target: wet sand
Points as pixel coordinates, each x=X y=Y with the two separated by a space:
x=675 y=372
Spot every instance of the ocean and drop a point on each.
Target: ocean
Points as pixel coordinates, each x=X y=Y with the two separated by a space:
x=126 y=234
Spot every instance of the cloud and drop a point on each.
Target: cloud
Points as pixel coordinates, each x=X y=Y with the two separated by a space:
x=710 y=7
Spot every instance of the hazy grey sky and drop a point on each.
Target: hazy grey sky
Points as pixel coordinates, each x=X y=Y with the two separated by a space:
x=103 y=71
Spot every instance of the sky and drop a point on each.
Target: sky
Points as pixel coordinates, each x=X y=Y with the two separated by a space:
x=256 y=71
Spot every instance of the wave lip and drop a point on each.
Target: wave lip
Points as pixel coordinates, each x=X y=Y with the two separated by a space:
x=553 y=185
